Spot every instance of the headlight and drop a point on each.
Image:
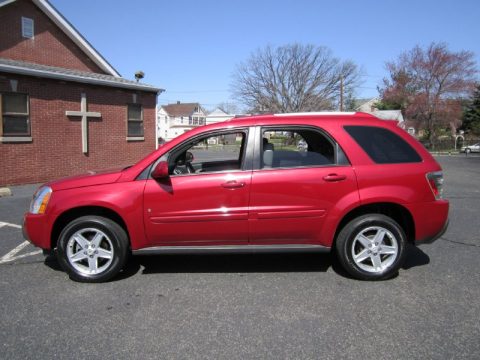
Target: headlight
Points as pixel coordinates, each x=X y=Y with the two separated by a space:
x=40 y=200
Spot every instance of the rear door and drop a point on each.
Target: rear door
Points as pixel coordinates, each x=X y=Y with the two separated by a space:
x=300 y=177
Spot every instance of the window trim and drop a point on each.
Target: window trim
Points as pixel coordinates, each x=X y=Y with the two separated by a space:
x=17 y=137
x=136 y=137
x=257 y=160
x=27 y=22
x=246 y=157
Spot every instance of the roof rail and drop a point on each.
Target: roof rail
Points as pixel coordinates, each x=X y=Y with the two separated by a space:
x=319 y=113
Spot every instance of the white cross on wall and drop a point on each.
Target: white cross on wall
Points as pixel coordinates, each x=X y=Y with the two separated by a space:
x=84 y=114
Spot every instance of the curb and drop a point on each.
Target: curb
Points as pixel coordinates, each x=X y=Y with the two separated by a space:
x=5 y=192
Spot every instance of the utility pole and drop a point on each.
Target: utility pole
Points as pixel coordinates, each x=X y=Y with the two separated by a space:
x=341 y=92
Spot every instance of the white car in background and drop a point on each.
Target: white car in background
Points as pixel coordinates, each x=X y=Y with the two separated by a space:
x=471 y=148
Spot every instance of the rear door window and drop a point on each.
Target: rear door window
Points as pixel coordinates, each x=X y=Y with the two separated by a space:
x=295 y=147
x=382 y=145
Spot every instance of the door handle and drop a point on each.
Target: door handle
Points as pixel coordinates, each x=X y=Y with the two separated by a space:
x=334 y=177
x=233 y=184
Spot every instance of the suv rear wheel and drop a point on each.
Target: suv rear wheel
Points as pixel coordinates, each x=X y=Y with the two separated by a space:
x=92 y=249
x=371 y=247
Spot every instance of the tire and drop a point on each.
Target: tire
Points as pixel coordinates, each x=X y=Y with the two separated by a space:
x=371 y=247
x=92 y=249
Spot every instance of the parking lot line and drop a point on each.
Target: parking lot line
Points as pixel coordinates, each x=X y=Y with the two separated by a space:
x=11 y=255
x=2 y=224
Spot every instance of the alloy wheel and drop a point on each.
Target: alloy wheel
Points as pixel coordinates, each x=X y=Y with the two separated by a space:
x=374 y=249
x=90 y=251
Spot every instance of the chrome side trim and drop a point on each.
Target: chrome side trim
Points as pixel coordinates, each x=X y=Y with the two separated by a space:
x=230 y=249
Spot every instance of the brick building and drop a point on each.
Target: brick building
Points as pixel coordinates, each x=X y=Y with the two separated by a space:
x=64 y=109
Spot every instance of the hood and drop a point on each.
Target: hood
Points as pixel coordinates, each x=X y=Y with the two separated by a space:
x=89 y=179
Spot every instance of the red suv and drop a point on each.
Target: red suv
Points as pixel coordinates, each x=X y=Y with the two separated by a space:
x=346 y=182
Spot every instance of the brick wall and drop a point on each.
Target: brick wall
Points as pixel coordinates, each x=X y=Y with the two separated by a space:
x=50 y=46
x=56 y=149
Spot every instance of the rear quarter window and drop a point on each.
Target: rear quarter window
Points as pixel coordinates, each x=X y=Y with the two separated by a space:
x=382 y=145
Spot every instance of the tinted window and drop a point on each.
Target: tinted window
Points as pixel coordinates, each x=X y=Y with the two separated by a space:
x=382 y=145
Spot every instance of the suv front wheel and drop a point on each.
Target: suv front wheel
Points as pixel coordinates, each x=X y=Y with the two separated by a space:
x=371 y=247
x=92 y=249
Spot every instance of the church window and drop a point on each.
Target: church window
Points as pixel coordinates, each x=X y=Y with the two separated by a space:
x=135 y=120
x=14 y=115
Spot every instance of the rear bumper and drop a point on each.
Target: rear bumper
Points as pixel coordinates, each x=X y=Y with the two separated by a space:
x=431 y=239
x=431 y=220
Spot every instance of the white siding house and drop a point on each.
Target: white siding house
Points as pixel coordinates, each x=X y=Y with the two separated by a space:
x=218 y=115
x=175 y=119
x=393 y=115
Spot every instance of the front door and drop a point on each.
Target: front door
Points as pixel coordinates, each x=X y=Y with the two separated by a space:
x=205 y=199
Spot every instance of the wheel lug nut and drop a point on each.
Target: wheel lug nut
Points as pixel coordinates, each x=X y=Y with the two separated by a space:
x=91 y=256
x=369 y=245
x=84 y=253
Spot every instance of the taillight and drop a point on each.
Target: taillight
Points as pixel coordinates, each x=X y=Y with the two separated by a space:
x=435 y=180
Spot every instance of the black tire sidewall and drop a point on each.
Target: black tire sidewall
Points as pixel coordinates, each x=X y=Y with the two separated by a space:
x=352 y=229
x=116 y=235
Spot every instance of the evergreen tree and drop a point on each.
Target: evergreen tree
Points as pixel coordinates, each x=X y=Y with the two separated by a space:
x=471 y=114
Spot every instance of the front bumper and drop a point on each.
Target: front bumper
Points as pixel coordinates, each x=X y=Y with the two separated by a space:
x=35 y=230
x=24 y=231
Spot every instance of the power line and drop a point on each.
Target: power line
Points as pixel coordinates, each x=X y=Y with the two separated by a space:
x=373 y=76
x=170 y=101
x=196 y=91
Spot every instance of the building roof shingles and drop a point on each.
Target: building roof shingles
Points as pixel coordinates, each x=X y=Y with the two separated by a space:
x=182 y=109
x=26 y=68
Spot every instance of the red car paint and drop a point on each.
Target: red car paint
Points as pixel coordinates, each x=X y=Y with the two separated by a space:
x=255 y=206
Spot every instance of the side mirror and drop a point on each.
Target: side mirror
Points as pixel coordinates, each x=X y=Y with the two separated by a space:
x=160 y=171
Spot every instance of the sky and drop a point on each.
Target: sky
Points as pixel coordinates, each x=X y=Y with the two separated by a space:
x=191 y=48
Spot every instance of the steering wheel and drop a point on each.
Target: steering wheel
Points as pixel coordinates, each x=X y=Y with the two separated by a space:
x=190 y=168
x=178 y=171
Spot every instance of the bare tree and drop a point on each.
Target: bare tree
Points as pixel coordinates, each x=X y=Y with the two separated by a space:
x=293 y=78
x=229 y=107
x=429 y=84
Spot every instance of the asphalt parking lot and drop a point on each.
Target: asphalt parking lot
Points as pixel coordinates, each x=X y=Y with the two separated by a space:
x=249 y=306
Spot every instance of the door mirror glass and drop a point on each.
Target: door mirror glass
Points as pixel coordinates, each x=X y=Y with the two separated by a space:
x=160 y=171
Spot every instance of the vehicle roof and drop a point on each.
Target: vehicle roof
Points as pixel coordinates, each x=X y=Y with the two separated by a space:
x=288 y=117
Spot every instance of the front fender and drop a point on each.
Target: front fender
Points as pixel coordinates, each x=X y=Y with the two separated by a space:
x=125 y=199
